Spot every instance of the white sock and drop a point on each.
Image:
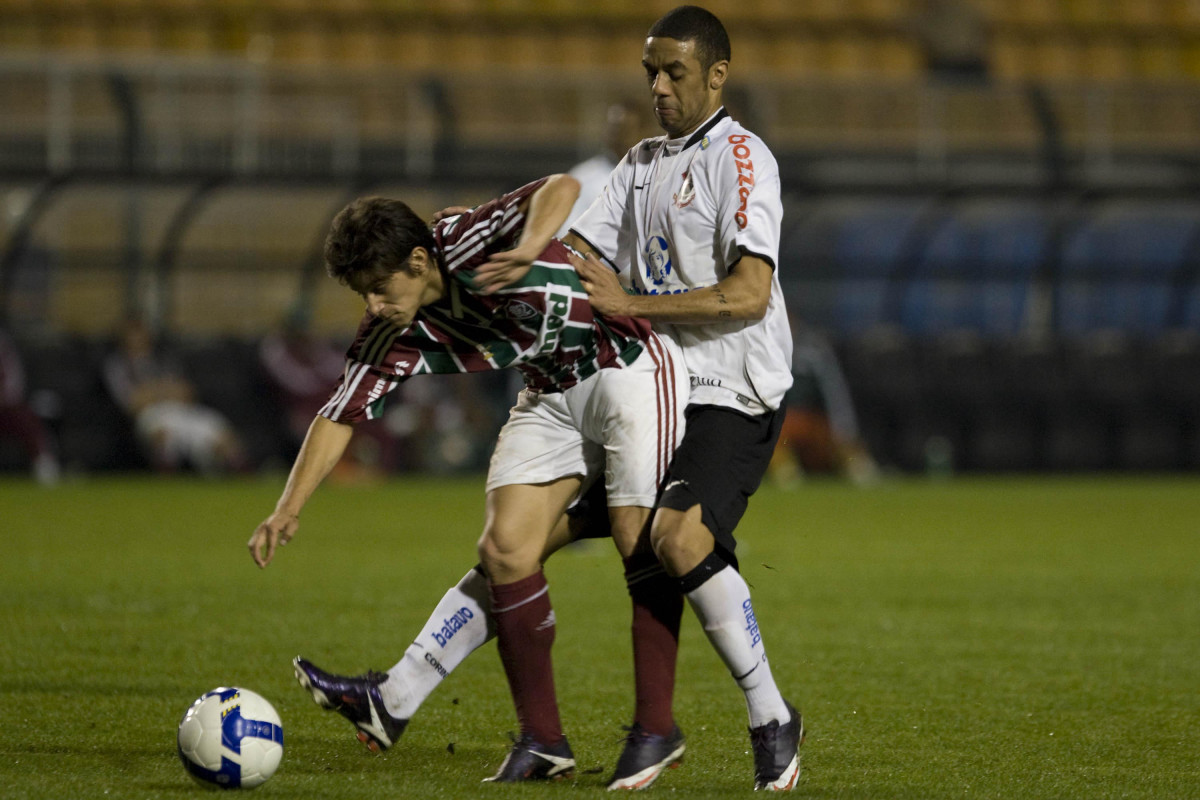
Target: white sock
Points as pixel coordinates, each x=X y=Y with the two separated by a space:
x=458 y=626
x=722 y=604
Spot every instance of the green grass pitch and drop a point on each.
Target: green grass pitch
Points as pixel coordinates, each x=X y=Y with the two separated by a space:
x=1007 y=638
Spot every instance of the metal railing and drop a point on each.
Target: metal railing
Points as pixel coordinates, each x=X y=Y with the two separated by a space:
x=173 y=116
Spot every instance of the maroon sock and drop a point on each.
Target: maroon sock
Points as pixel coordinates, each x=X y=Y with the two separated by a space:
x=657 y=610
x=524 y=636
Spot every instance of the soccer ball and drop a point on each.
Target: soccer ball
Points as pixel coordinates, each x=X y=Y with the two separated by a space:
x=230 y=738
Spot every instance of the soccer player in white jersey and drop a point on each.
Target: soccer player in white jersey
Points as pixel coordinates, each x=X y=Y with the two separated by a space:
x=689 y=224
x=601 y=396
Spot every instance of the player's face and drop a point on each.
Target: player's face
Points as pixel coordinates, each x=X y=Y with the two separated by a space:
x=398 y=296
x=685 y=94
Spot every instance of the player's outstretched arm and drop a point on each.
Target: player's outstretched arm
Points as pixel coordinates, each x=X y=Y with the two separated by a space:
x=323 y=447
x=548 y=210
x=742 y=295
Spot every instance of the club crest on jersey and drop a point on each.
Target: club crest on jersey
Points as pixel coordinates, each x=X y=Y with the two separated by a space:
x=686 y=193
x=519 y=309
x=658 y=260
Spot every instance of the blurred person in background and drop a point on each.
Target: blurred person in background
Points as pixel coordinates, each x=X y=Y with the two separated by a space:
x=175 y=431
x=301 y=366
x=820 y=431
x=622 y=130
x=18 y=421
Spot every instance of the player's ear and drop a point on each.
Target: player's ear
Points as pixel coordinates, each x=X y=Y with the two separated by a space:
x=717 y=74
x=418 y=261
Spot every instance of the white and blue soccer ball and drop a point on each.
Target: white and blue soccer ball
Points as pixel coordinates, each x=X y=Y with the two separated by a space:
x=231 y=738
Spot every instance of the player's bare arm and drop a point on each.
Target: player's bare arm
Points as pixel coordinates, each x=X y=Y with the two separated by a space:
x=547 y=210
x=742 y=295
x=323 y=447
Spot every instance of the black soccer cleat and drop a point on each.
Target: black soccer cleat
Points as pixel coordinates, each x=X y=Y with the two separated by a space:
x=646 y=756
x=532 y=761
x=777 y=752
x=357 y=699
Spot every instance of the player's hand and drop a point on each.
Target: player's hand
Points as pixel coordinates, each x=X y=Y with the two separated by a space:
x=604 y=290
x=277 y=529
x=450 y=211
x=504 y=269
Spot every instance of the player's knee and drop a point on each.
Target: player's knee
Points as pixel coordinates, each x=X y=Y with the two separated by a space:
x=504 y=554
x=628 y=527
x=679 y=539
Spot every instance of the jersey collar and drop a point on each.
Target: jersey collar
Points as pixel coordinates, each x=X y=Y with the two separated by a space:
x=703 y=130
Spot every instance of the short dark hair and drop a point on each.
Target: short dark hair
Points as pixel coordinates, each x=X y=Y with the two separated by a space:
x=373 y=236
x=693 y=23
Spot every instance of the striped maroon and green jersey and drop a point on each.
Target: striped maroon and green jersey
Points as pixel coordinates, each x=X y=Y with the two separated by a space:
x=542 y=326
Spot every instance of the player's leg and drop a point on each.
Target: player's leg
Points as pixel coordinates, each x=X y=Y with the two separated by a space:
x=717 y=467
x=520 y=519
x=535 y=447
x=536 y=471
x=639 y=414
x=459 y=625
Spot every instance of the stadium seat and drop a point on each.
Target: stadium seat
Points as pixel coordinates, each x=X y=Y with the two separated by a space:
x=856 y=244
x=1118 y=268
x=977 y=271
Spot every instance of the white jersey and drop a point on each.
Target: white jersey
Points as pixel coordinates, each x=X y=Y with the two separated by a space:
x=676 y=215
x=593 y=177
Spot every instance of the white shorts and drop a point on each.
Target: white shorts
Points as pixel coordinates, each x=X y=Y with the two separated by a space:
x=625 y=423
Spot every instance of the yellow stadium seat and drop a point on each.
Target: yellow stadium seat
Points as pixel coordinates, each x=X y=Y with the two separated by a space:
x=897 y=57
x=1010 y=57
x=304 y=43
x=1159 y=60
x=783 y=11
x=1191 y=60
x=1141 y=12
x=357 y=44
x=77 y=32
x=1183 y=12
x=887 y=10
x=416 y=48
x=1108 y=58
x=849 y=55
x=21 y=33
x=1087 y=12
x=1059 y=58
x=189 y=35
x=131 y=34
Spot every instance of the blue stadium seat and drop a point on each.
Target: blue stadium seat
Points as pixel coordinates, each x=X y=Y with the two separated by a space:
x=1118 y=267
x=846 y=252
x=977 y=271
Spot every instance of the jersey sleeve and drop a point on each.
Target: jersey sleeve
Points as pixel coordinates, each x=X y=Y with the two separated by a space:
x=491 y=227
x=605 y=224
x=381 y=357
x=749 y=207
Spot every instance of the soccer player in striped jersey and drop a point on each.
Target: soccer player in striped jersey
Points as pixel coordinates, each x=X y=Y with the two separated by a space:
x=602 y=395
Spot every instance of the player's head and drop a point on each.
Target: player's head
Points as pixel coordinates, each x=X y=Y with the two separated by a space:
x=622 y=127
x=686 y=57
x=382 y=250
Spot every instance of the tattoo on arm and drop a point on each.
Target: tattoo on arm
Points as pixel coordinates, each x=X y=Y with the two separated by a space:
x=721 y=301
